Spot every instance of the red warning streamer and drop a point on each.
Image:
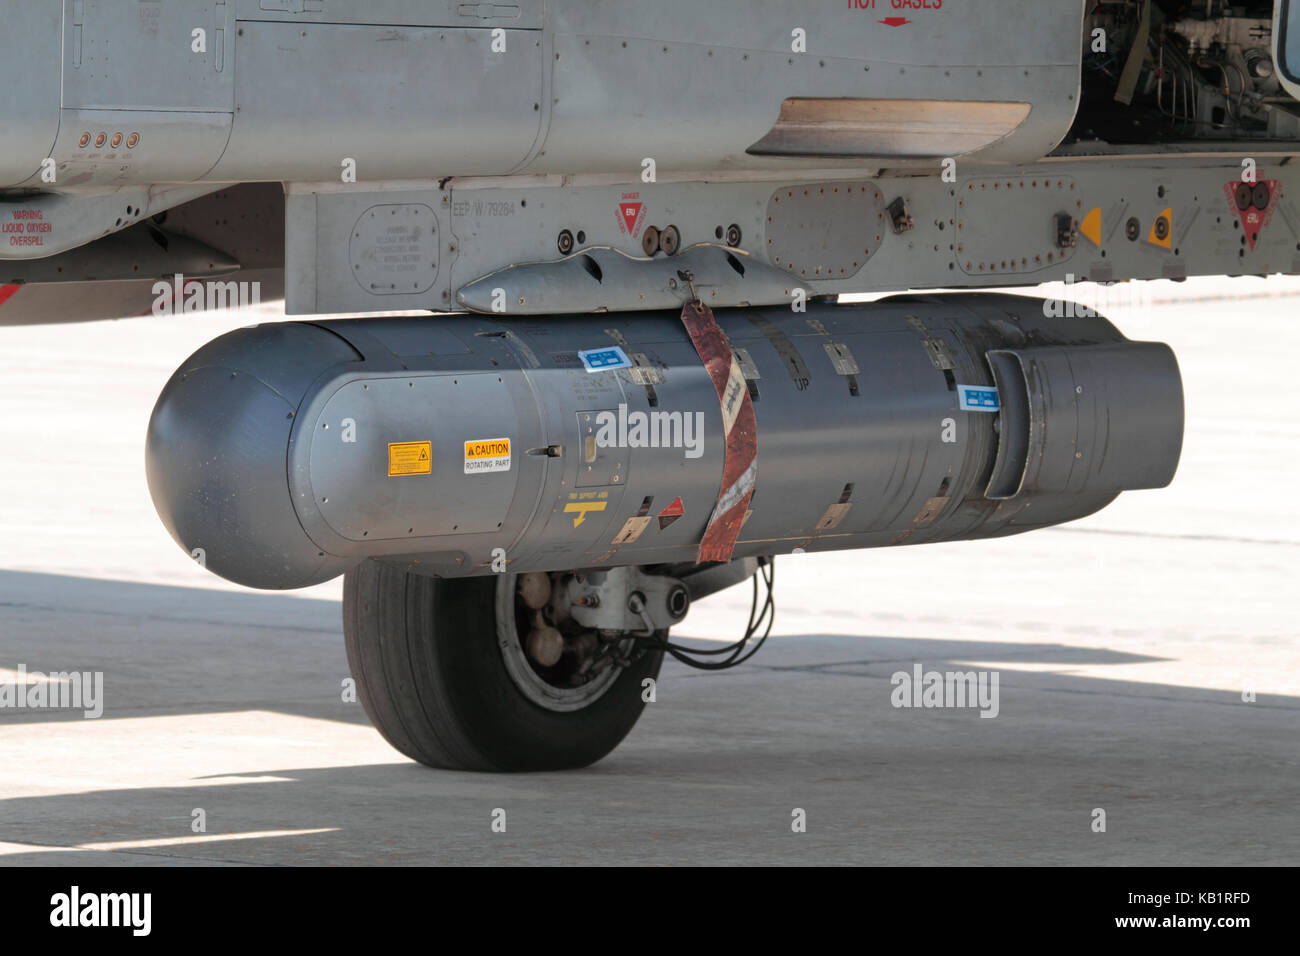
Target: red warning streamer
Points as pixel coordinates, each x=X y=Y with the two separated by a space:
x=740 y=467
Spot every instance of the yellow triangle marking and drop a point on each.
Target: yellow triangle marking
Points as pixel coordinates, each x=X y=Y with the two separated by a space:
x=1090 y=228
x=1168 y=241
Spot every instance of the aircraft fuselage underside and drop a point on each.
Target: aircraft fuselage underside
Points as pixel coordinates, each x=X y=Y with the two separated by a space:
x=530 y=247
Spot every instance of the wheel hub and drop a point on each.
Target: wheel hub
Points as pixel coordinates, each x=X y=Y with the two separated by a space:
x=556 y=662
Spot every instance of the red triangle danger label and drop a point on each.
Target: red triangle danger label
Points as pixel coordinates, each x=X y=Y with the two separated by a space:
x=671 y=513
x=630 y=212
x=1254 y=204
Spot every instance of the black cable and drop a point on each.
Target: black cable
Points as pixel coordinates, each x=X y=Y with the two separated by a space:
x=739 y=652
x=687 y=655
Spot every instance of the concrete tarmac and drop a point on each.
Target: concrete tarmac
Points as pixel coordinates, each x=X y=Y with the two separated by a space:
x=1124 y=646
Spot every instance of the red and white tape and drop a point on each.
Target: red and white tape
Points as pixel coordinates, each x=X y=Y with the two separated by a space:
x=740 y=466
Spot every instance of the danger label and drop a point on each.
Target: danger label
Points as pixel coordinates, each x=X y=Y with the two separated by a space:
x=1254 y=203
x=631 y=214
x=410 y=458
x=487 y=455
x=671 y=514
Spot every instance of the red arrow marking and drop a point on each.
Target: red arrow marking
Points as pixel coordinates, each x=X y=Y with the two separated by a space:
x=894 y=21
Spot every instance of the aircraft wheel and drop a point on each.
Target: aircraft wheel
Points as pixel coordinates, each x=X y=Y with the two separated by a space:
x=478 y=674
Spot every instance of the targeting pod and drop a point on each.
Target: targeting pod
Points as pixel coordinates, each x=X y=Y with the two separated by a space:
x=287 y=453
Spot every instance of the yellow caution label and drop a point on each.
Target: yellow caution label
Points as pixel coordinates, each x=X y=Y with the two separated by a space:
x=410 y=458
x=487 y=455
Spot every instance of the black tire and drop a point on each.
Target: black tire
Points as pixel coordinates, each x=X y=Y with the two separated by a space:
x=432 y=678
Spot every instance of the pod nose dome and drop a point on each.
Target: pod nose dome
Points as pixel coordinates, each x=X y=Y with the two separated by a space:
x=216 y=450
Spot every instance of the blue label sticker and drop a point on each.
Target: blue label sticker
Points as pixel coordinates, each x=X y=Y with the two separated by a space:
x=598 y=360
x=978 y=398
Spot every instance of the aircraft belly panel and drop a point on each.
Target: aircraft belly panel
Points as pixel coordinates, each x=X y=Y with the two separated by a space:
x=155 y=56
x=442 y=89
x=148 y=95
x=137 y=146
x=516 y=14
x=29 y=120
x=697 y=86
x=954 y=31
x=416 y=102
